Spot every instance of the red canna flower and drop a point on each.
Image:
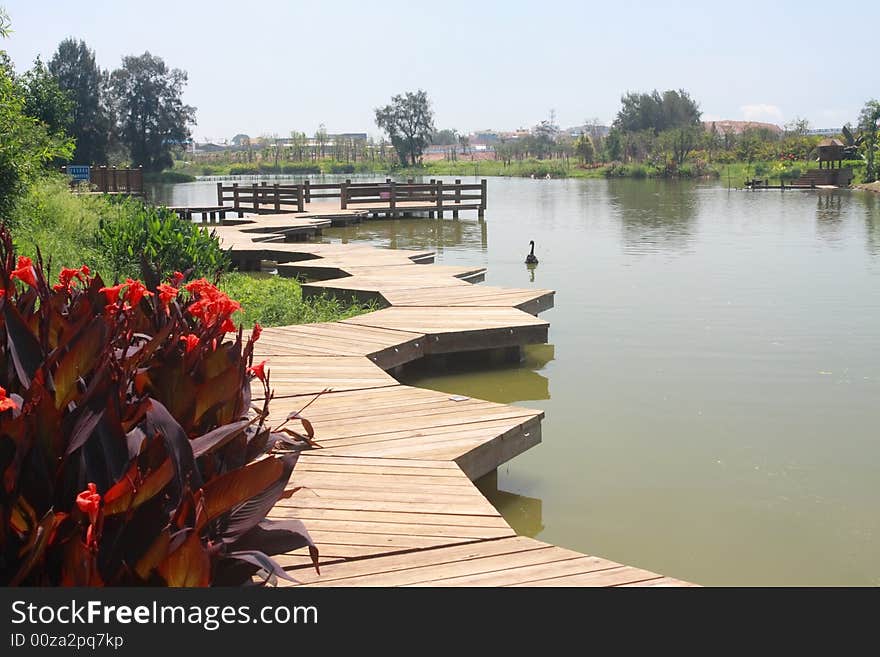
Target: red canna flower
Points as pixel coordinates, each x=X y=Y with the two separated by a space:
x=166 y=294
x=259 y=371
x=176 y=278
x=136 y=291
x=89 y=501
x=5 y=402
x=25 y=271
x=191 y=341
x=112 y=293
x=211 y=307
x=258 y=330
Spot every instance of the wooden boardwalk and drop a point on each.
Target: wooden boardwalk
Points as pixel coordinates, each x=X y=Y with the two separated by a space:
x=388 y=497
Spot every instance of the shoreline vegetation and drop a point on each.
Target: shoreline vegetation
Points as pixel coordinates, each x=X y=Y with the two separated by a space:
x=104 y=232
x=734 y=172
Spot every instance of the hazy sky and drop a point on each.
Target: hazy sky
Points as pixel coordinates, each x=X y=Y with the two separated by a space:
x=271 y=66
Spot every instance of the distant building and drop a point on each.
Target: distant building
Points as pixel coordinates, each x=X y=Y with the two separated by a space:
x=824 y=132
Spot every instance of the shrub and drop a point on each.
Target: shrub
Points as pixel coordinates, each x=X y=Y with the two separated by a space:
x=167 y=242
x=341 y=168
x=129 y=453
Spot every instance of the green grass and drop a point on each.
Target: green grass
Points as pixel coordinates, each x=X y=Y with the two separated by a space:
x=276 y=301
x=64 y=226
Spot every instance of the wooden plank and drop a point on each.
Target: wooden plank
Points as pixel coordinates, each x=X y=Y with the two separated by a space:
x=392 y=563
x=460 y=329
x=292 y=376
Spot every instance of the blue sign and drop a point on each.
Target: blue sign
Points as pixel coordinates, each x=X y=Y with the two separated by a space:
x=79 y=172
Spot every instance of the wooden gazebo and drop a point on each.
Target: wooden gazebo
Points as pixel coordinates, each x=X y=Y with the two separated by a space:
x=830 y=151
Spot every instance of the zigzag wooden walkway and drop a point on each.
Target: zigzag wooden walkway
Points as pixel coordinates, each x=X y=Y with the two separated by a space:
x=388 y=497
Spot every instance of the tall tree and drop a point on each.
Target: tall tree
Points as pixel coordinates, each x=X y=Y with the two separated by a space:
x=583 y=146
x=868 y=124
x=409 y=123
x=45 y=100
x=656 y=112
x=153 y=119
x=74 y=68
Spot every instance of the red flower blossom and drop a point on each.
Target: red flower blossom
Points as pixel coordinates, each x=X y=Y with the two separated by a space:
x=136 y=291
x=259 y=371
x=258 y=330
x=191 y=340
x=166 y=294
x=25 y=271
x=89 y=501
x=5 y=402
x=211 y=307
x=112 y=293
x=176 y=278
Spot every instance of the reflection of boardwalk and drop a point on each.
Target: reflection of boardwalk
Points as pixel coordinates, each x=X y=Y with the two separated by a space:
x=388 y=496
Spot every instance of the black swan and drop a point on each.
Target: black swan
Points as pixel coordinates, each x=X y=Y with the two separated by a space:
x=531 y=259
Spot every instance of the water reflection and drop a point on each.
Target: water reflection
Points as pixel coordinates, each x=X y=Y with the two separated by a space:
x=654 y=215
x=523 y=514
x=829 y=218
x=416 y=233
x=872 y=222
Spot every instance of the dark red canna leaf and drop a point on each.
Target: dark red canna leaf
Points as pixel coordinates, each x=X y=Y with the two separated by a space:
x=189 y=564
x=218 y=437
x=22 y=344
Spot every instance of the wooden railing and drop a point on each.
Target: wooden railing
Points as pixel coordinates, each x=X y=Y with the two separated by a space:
x=386 y=197
x=111 y=180
x=262 y=198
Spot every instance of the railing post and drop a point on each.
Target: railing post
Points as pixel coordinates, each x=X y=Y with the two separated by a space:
x=300 y=199
x=219 y=193
x=277 y=199
x=140 y=179
x=308 y=191
x=457 y=197
x=438 y=192
x=343 y=194
x=235 y=199
x=256 y=198
x=392 y=197
x=115 y=183
x=482 y=209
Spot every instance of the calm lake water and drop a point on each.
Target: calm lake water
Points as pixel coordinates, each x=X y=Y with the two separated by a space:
x=712 y=386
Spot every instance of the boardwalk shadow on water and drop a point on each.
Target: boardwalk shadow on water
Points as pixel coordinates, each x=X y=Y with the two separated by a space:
x=494 y=375
x=655 y=215
x=524 y=514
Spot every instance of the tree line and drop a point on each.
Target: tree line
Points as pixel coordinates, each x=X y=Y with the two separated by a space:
x=133 y=114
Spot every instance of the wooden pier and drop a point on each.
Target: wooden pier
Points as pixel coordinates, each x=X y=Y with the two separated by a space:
x=387 y=198
x=388 y=497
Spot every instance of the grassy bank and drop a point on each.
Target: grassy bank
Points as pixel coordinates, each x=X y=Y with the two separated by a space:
x=168 y=176
x=275 y=301
x=109 y=234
